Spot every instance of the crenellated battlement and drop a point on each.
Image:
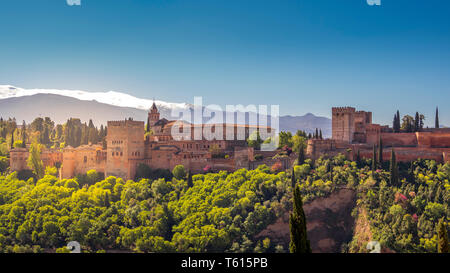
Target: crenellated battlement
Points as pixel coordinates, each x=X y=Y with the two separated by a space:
x=124 y=123
x=346 y=109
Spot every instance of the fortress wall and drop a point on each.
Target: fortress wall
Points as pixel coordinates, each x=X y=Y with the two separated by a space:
x=433 y=139
x=407 y=154
x=398 y=139
x=18 y=159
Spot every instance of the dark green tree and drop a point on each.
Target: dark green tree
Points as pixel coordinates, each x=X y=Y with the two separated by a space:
x=301 y=155
x=317 y=133
x=92 y=133
x=12 y=140
x=380 y=153
x=417 y=122
x=190 y=183
x=297 y=224
x=358 y=159
x=24 y=135
x=374 y=158
x=293 y=180
x=393 y=169
x=147 y=126
x=443 y=246
x=436 y=122
x=320 y=134
x=396 y=122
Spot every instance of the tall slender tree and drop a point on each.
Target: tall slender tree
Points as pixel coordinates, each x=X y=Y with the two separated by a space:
x=436 y=122
x=190 y=183
x=12 y=140
x=358 y=159
x=396 y=122
x=393 y=169
x=374 y=158
x=380 y=153
x=297 y=224
x=320 y=134
x=147 y=126
x=24 y=134
x=417 y=122
x=301 y=154
x=293 y=180
x=443 y=246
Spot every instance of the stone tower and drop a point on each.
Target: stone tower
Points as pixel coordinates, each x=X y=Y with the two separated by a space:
x=153 y=115
x=125 y=148
x=343 y=123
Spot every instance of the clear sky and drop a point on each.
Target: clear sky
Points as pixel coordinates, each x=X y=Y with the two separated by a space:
x=305 y=55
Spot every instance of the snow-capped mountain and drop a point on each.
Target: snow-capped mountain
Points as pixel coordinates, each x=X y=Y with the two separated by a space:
x=110 y=97
x=60 y=105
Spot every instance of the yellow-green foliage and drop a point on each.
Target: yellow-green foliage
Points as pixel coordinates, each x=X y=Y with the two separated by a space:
x=219 y=212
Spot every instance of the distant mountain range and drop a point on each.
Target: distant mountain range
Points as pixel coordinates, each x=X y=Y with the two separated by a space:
x=59 y=105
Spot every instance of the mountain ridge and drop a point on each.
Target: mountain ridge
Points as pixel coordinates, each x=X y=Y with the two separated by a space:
x=27 y=104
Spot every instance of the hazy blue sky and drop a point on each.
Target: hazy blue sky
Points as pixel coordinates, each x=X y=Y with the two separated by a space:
x=305 y=55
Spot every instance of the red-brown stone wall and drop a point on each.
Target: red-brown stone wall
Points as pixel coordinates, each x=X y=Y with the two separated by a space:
x=399 y=139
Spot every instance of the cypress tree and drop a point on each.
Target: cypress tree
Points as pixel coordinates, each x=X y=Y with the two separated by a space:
x=297 y=224
x=320 y=134
x=190 y=183
x=394 y=123
x=12 y=140
x=107 y=202
x=293 y=181
x=374 y=158
x=358 y=159
x=417 y=122
x=24 y=135
x=436 y=122
x=443 y=246
x=380 y=153
x=393 y=169
x=301 y=155
x=317 y=133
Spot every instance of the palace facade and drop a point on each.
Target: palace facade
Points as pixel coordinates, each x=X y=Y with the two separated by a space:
x=210 y=146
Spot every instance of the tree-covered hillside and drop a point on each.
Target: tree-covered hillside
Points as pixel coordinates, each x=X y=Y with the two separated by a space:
x=219 y=212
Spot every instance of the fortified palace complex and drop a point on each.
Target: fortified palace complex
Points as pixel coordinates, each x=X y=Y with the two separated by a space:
x=128 y=146
x=353 y=131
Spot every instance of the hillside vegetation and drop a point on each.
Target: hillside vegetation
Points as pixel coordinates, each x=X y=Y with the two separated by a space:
x=217 y=212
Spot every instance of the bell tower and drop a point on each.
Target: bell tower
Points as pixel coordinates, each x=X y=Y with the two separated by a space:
x=153 y=115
